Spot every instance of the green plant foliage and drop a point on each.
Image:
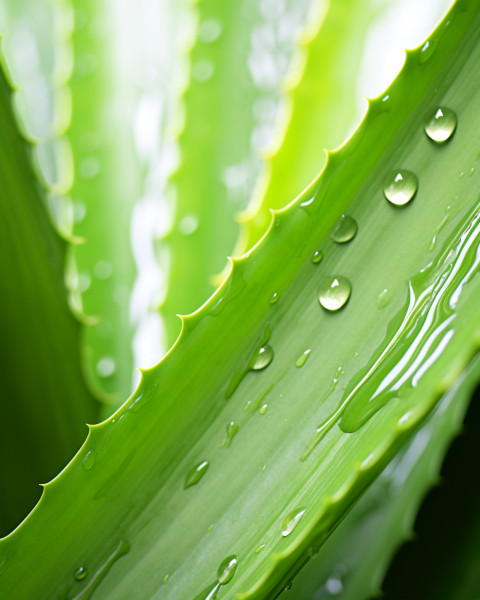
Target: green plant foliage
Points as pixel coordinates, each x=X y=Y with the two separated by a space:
x=352 y=562
x=104 y=191
x=215 y=176
x=323 y=110
x=230 y=463
x=40 y=359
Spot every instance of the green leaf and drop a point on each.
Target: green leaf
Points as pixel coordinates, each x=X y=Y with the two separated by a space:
x=104 y=191
x=323 y=109
x=353 y=561
x=218 y=160
x=139 y=500
x=40 y=429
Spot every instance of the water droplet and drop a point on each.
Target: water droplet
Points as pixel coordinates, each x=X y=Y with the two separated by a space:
x=291 y=521
x=263 y=358
x=209 y=31
x=227 y=569
x=103 y=269
x=195 y=474
x=274 y=298
x=232 y=430
x=302 y=359
x=247 y=405
x=188 y=224
x=334 y=586
x=165 y=579
x=400 y=186
x=345 y=230
x=334 y=292
x=264 y=468
x=106 y=366
x=288 y=587
x=263 y=409
x=383 y=299
x=80 y=573
x=260 y=548
x=89 y=168
x=202 y=70
x=471 y=172
x=210 y=527
x=427 y=50
x=317 y=257
x=440 y=126
x=89 y=459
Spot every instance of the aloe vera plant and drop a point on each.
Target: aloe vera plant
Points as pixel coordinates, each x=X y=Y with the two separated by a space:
x=288 y=393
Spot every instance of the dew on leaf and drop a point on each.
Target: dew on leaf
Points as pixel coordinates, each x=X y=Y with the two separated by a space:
x=344 y=230
x=317 y=257
x=400 y=186
x=195 y=474
x=274 y=298
x=188 y=224
x=202 y=70
x=165 y=579
x=209 y=31
x=80 y=573
x=105 y=366
x=334 y=292
x=302 y=359
x=291 y=521
x=232 y=430
x=263 y=409
x=383 y=299
x=263 y=358
x=89 y=459
x=441 y=124
x=259 y=548
x=227 y=569
x=103 y=269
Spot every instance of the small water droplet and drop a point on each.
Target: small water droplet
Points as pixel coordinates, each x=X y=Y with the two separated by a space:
x=302 y=359
x=210 y=527
x=263 y=358
x=317 y=257
x=471 y=172
x=400 y=186
x=188 y=224
x=80 y=573
x=247 y=405
x=202 y=70
x=264 y=468
x=165 y=579
x=440 y=126
x=461 y=174
x=291 y=521
x=209 y=31
x=274 y=298
x=227 y=569
x=89 y=459
x=344 y=230
x=102 y=269
x=383 y=299
x=334 y=292
x=195 y=474
x=232 y=430
x=334 y=586
x=259 y=548
x=288 y=587
x=89 y=168
x=427 y=50
x=106 y=366
x=263 y=409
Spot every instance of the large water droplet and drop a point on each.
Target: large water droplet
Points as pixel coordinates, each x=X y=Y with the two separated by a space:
x=440 y=126
x=345 y=230
x=317 y=257
x=334 y=292
x=89 y=459
x=227 y=569
x=263 y=358
x=232 y=430
x=196 y=473
x=80 y=573
x=400 y=186
x=291 y=521
x=302 y=359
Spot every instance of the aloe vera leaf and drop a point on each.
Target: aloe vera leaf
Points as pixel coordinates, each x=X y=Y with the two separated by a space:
x=40 y=359
x=104 y=191
x=323 y=110
x=218 y=165
x=138 y=501
x=353 y=561
x=442 y=557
